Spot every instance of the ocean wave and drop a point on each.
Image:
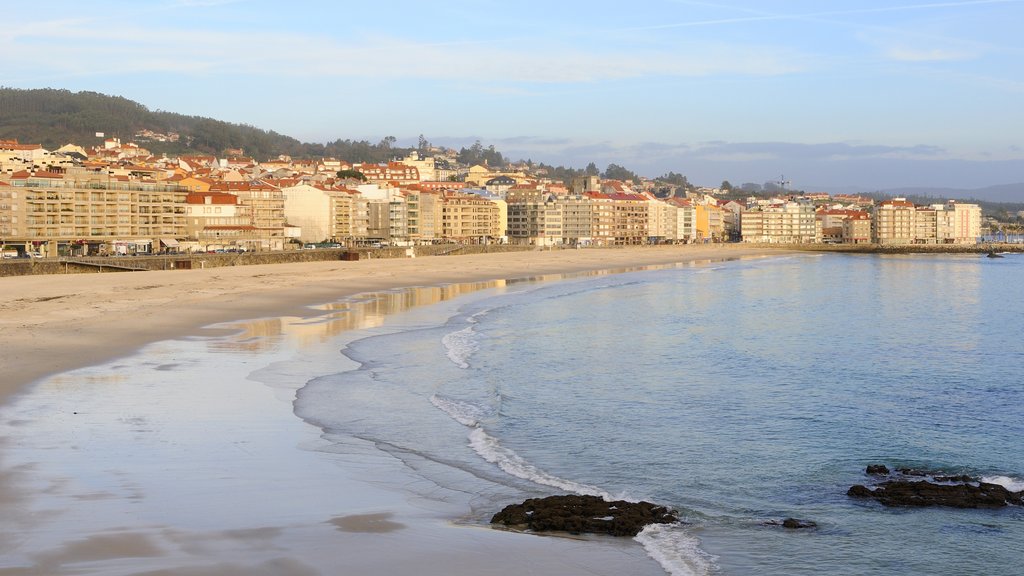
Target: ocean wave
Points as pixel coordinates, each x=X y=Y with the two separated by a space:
x=491 y=450
x=465 y=413
x=676 y=550
x=1011 y=484
x=460 y=345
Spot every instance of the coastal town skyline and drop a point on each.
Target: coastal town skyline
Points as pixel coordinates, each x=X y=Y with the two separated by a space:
x=856 y=95
x=120 y=199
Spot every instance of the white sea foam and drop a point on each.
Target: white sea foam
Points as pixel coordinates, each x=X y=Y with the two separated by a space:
x=465 y=413
x=492 y=451
x=460 y=345
x=676 y=550
x=1011 y=484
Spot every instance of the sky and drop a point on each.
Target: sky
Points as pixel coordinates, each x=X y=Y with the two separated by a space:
x=824 y=94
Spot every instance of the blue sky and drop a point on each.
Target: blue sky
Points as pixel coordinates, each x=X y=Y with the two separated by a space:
x=834 y=94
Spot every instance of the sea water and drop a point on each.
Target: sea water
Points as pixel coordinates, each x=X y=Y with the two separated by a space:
x=736 y=393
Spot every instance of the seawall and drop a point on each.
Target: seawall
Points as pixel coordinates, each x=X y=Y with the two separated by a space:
x=107 y=264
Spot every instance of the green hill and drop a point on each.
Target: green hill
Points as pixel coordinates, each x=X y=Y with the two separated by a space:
x=53 y=118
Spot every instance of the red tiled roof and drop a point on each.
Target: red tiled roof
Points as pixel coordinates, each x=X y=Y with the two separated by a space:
x=215 y=198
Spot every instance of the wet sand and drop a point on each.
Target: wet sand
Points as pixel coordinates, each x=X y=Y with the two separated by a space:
x=105 y=469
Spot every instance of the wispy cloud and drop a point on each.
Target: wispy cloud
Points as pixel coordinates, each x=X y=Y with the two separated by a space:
x=759 y=16
x=910 y=54
x=821 y=151
x=73 y=47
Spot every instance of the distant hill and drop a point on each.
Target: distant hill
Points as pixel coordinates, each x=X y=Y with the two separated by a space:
x=1002 y=202
x=1008 y=193
x=54 y=118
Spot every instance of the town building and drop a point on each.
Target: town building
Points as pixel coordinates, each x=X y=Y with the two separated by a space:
x=266 y=208
x=48 y=214
x=535 y=221
x=894 y=222
x=788 y=222
x=857 y=228
x=471 y=218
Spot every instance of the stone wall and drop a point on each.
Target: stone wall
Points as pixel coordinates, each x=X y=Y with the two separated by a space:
x=185 y=261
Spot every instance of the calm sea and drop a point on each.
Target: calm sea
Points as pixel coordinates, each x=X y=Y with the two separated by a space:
x=737 y=393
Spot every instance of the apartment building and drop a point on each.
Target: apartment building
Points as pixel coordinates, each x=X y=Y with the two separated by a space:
x=535 y=222
x=266 y=207
x=618 y=219
x=55 y=215
x=429 y=221
x=388 y=219
x=832 y=224
x=395 y=173
x=895 y=222
x=471 y=218
x=709 y=222
x=856 y=228
x=781 y=223
x=578 y=225
x=682 y=224
x=325 y=213
x=218 y=220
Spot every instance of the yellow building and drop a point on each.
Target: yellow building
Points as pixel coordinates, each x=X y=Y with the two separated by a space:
x=709 y=222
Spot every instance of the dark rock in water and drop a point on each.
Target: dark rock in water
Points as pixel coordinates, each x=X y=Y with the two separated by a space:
x=877 y=469
x=792 y=523
x=924 y=493
x=860 y=491
x=583 y=514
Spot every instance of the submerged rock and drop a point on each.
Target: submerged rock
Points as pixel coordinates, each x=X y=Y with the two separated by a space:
x=792 y=523
x=583 y=514
x=877 y=469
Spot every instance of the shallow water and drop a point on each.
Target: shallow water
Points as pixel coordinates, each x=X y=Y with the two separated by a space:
x=739 y=393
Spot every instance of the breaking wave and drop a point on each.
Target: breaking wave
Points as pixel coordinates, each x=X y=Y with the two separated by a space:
x=676 y=550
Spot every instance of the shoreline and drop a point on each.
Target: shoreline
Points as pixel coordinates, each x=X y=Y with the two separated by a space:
x=52 y=324
x=218 y=442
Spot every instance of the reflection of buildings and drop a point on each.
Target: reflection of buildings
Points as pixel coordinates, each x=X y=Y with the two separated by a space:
x=359 y=313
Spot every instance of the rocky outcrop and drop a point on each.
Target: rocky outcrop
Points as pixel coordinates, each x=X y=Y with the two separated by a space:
x=583 y=514
x=918 y=488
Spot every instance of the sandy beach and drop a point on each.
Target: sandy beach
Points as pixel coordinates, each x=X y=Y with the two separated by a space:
x=244 y=490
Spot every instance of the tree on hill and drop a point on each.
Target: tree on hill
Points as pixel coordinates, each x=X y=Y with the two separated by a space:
x=56 y=117
x=477 y=154
x=616 y=172
x=353 y=174
x=675 y=179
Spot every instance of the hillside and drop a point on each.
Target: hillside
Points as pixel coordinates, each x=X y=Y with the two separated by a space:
x=54 y=117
